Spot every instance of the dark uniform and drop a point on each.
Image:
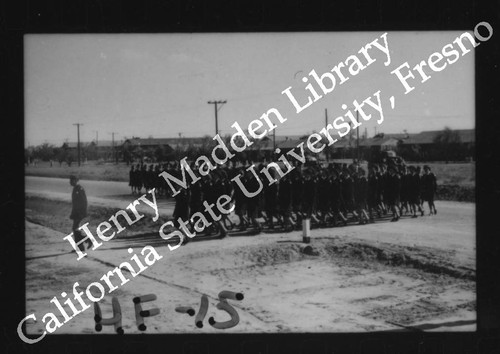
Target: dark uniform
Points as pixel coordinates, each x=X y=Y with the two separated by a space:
x=392 y=189
x=414 y=191
x=220 y=187
x=252 y=202
x=78 y=209
x=297 y=188
x=196 y=200
x=240 y=201
x=131 y=181
x=381 y=175
x=308 y=194
x=270 y=202
x=336 y=203
x=181 y=209
x=360 y=195
x=429 y=187
x=373 y=197
x=79 y=205
x=405 y=189
x=285 y=200
x=137 y=180
x=347 y=188
x=323 y=194
x=285 y=195
x=144 y=177
x=151 y=180
x=158 y=180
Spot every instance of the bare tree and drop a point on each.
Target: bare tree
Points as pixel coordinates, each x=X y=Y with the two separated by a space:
x=448 y=143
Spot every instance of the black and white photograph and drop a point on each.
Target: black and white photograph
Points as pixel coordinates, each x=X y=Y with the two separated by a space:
x=298 y=182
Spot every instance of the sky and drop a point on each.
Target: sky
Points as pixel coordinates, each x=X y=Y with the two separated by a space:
x=158 y=85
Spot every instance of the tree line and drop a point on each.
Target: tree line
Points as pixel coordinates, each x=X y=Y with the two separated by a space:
x=447 y=146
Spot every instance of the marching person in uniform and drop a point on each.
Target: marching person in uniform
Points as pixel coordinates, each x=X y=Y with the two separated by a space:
x=252 y=203
x=392 y=188
x=285 y=202
x=309 y=195
x=405 y=190
x=361 y=195
x=297 y=188
x=323 y=192
x=240 y=201
x=373 y=196
x=429 y=187
x=138 y=179
x=144 y=178
x=271 y=200
x=414 y=192
x=131 y=177
x=219 y=187
x=78 y=209
x=347 y=188
x=336 y=203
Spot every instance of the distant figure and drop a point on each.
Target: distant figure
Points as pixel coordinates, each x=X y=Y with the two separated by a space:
x=131 y=179
x=429 y=187
x=78 y=209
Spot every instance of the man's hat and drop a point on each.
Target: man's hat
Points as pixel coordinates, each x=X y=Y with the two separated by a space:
x=73 y=178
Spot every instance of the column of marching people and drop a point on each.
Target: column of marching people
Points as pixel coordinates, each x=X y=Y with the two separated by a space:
x=329 y=195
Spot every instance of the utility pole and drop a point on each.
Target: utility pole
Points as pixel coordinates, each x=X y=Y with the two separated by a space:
x=78 y=143
x=350 y=138
x=96 y=137
x=357 y=133
x=326 y=124
x=216 y=110
x=113 y=144
x=274 y=141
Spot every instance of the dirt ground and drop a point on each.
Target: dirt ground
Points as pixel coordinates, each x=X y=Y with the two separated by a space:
x=417 y=274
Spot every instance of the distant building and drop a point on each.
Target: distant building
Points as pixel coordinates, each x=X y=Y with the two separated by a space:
x=412 y=147
x=425 y=146
x=161 y=149
x=415 y=147
x=102 y=150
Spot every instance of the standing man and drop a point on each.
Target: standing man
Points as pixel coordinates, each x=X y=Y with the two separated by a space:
x=78 y=209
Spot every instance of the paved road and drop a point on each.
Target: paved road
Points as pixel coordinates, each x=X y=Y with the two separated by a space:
x=61 y=185
x=101 y=193
x=452 y=229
